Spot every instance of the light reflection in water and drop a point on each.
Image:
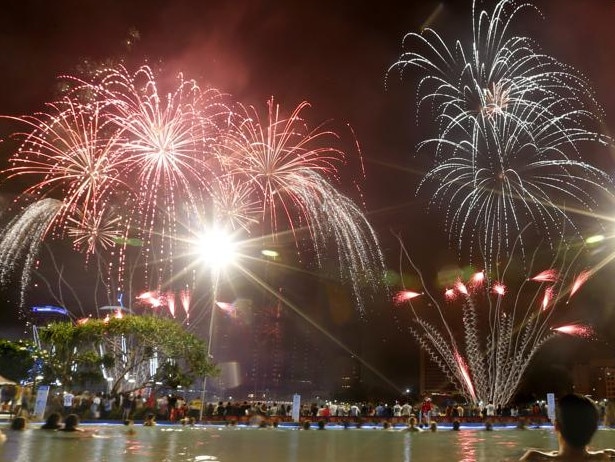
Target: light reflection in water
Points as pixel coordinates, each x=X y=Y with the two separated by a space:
x=407 y=447
x=466 y=445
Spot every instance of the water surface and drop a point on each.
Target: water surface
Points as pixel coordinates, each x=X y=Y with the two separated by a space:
x=164 y=443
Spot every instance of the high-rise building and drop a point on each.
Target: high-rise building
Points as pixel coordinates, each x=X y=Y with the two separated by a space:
x=595 y=378
x=431 y=377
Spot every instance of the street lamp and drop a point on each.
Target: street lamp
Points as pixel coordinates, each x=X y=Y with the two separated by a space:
x=270 y=253
x=216 y=250
x=594 y=239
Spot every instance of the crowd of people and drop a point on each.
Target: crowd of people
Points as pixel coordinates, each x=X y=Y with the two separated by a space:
x=174 y=407
x=121 y=406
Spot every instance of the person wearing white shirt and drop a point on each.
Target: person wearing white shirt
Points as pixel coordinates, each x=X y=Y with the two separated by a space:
x=68 y=402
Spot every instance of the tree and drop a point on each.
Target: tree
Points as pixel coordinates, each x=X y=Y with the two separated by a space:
x=130 y=352
x=18 y=360
x=72 y=357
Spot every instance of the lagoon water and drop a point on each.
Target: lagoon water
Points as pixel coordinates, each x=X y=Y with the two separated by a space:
x=112 y=443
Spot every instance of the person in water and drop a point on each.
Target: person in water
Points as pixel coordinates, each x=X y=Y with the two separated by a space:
x=53 y=422
x=576 y=421
x=71 y=424
x=19 y=423
x=412 y=426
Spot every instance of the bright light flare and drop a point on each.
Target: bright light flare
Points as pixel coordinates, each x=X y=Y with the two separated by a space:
x=270 y=253
x=594 y=239
x=217 y=249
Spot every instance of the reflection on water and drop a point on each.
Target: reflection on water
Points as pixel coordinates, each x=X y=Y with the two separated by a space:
x=478 y=445
x=208 y=443
x=466 y=442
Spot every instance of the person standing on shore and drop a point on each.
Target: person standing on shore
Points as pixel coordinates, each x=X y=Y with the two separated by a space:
x=426 y=409
x=68 y=402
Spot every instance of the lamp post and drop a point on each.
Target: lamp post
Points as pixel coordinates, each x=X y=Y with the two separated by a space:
x=209 y=345
x=217 y=250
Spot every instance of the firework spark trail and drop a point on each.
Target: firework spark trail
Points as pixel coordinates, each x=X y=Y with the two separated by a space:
x=441 y=352
x=333 y=217
x=21 y=239
x=235 y=203
x=171 y=303
x=288 y=165
x=501 y=332
x=510 y=124
x=94 y=233
x=174 y=164
x=185 y=298
x=114 y=142
x=72 y=153
x=162 y=138
x=274 y=155
x=579 y=330
x=496 y=76
x=494 y=187
x=163 y=143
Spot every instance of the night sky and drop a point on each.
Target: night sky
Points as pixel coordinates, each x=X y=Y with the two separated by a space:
x=333 y=54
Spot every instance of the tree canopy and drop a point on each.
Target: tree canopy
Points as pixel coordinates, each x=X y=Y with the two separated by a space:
x=128 y=352
x=18 y=359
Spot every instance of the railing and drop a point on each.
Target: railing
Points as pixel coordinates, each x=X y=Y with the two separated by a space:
x=374 y=420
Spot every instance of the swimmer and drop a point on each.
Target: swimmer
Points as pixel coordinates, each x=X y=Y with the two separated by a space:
x=412 y=426
x=53 y=422
x=576 y=421
x=131 y=427
x=71 y=427
x=150 y=421
x=19 y=423
x=71 y=424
